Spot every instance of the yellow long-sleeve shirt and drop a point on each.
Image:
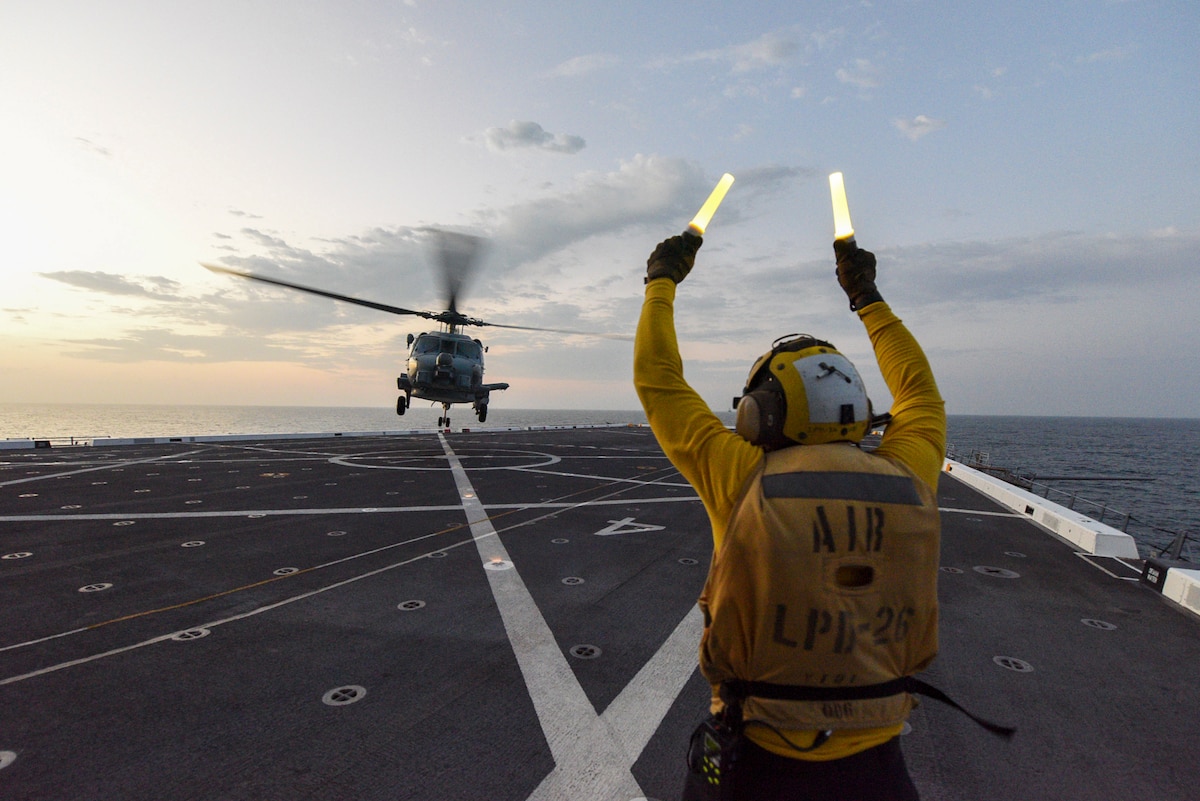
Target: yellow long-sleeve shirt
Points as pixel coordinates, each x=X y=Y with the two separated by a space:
x=717 y=462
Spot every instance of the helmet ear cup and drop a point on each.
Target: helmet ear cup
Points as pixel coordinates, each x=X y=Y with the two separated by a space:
x=760 y=416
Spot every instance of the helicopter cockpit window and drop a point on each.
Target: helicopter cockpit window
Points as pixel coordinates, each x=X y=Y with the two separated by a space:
x=469 y=350
x=427 y=345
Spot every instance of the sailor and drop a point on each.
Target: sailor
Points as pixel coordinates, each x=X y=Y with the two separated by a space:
x=821 y=598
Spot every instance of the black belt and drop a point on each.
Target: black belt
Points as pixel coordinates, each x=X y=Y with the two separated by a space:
x=737 y=690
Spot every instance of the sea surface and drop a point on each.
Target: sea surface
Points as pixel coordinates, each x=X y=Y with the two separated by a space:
x=1157 y=461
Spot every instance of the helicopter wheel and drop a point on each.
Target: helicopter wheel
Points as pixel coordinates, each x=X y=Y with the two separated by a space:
x=401 y=405
x=482 y=413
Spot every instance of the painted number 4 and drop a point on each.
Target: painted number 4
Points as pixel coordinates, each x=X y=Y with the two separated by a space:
x=626 y=526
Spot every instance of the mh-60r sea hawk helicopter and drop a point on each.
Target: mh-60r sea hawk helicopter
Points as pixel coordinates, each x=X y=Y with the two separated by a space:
x=446 y=366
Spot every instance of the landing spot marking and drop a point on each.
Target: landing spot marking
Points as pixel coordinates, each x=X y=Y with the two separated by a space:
x=626 y=525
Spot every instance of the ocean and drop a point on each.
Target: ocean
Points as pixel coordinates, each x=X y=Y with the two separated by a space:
x=1156 y=460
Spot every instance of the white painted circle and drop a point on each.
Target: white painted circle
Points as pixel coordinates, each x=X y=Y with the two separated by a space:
x=28 y=495
x=71 y=506
x=192 y=544
x=497 y=564
x=193 y=503
x=336 y=534
x=17 y=555
x=560 y=541
x=95 y=587
x=7 y=758
x=572 y=580
x=687 y=560
x=358 y=461
x=410 y=606
x=342 y=696
x=123 y=523
x=287 y=571
x=438 y=555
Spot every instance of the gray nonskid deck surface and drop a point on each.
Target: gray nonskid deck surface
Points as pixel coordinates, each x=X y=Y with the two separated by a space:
x=507 y=615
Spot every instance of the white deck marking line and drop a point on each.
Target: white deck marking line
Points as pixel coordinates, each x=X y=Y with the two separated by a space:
x=358 y=510
x=593 y=754
x=607 y=479
x=109 y=466
x=213 y=624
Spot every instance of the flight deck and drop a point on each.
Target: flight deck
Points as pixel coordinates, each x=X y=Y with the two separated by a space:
x=506 y=615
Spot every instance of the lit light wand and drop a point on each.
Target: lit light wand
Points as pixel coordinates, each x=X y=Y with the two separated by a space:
x=700 y=222
x=842 y=227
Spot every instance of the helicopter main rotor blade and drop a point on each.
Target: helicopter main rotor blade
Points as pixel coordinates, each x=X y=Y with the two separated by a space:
x=311 y=290
x=621 y=337
x=457 y=255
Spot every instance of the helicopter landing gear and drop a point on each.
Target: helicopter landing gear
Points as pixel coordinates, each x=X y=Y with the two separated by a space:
x=444 y=422
x=401 y=405
x=481 y=411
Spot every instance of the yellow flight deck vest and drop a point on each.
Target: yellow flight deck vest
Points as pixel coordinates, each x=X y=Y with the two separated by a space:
x=826 y=578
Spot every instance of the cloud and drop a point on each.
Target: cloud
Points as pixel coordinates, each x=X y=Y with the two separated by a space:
x=1062 y=266
x=584 y=65
x=919 y=126
x=112 y=284
x=1112 y=54
x=769 y=50
x=864 y=75
x=99 y=150
x=521 y=135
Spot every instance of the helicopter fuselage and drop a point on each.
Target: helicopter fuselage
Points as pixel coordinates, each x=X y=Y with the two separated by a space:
x=446 y=368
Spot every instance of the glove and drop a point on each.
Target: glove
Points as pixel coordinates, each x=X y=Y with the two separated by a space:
x=856 y=273
x=673 y=258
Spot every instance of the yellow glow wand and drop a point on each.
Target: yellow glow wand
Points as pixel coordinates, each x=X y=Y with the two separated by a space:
x=700 y=222
x=842 y=227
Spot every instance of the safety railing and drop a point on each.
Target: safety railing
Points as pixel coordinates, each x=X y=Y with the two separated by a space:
x=1183 y=546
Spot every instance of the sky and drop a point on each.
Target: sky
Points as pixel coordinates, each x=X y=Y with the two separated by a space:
x=1026 y=173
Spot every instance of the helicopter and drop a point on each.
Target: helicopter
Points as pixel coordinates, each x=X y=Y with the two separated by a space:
x=444 y=366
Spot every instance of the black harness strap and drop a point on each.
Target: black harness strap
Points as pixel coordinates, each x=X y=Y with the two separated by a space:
x=736 y=690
